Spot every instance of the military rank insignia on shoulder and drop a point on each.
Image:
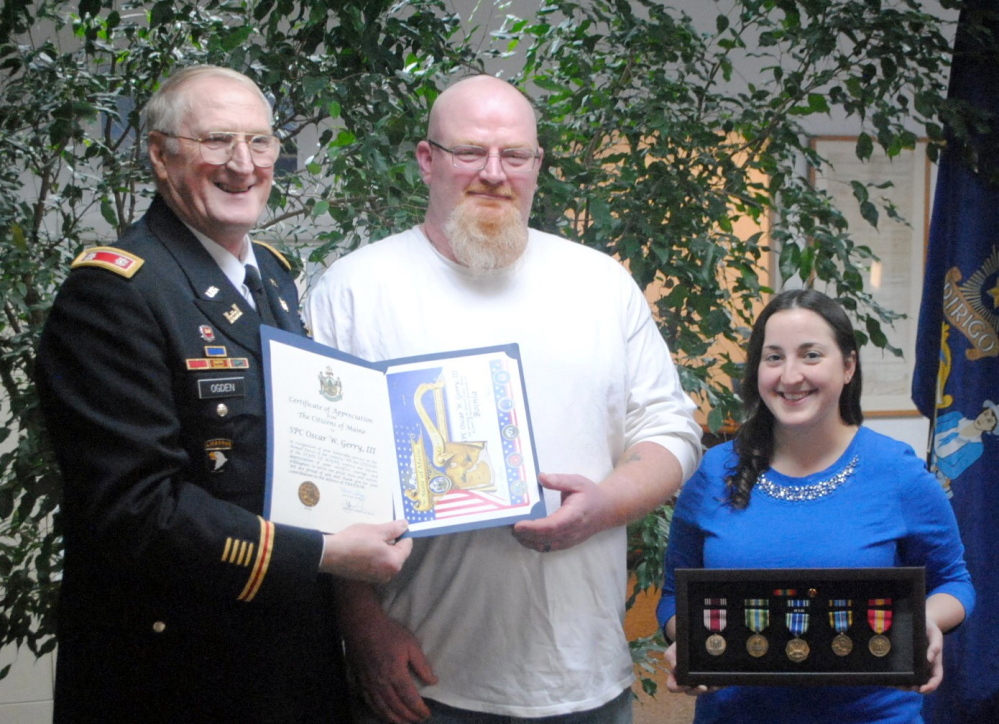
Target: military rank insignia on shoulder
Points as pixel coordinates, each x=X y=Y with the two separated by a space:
x=110 y=258
x=280 y=257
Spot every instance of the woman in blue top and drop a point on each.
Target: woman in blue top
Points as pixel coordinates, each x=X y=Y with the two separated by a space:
x=805 y=486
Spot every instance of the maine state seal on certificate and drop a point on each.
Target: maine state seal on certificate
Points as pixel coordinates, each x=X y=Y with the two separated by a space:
x=330 y=385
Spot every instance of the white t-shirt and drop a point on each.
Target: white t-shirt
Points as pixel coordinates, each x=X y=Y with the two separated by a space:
x=509 y=630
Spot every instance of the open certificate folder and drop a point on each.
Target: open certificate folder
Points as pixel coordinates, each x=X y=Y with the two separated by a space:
x=443 y=440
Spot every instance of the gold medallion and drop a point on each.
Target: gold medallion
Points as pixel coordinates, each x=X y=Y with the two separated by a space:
x=757 y=645
x=797 y=650
x=715 y=645
x=879 y=645
x=842 y=645
x=308 y=493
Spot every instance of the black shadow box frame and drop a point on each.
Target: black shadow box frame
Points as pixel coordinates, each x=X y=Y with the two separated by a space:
x=904 y=665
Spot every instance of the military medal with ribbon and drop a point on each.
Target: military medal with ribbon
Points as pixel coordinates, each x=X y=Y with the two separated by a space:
x=879 y=618
x=841 y=618
x=715 y=618
x=797 y=623
x=757 y=619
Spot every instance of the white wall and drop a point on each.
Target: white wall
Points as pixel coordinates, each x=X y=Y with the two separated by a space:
x=26 y=693
x=911 y=430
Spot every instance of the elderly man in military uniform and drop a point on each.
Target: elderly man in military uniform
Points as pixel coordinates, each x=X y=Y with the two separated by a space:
x=180 y=602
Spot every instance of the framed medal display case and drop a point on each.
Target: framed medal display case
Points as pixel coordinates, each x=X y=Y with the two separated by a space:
x=802 y=626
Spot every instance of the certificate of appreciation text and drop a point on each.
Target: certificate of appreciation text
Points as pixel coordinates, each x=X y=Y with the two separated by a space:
x=442 y=440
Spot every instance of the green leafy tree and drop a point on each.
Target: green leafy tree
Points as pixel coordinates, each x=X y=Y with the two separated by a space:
x=656 y=148
x=74 y=174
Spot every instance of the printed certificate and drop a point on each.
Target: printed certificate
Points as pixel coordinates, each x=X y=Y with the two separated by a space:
x=442 y=440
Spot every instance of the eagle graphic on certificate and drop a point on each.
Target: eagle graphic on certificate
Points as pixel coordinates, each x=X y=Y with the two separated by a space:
x=448 y=464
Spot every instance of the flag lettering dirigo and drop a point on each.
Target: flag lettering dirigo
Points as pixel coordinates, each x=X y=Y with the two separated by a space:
x=956 y=379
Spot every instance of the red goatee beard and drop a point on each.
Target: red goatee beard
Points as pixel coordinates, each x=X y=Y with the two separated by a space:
x=486 y=241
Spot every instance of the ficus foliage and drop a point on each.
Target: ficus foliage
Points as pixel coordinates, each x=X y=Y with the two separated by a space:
x=73 y=78
x=656 y=148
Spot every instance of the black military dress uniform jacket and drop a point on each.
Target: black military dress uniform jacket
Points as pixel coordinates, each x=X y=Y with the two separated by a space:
x=179 y=602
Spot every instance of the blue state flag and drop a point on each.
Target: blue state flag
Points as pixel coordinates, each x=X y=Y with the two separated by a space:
x=956 y=382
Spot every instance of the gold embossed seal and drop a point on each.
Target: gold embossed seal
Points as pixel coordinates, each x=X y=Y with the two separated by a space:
x=715 y=645
x=308 y=493
x=757 y=645
x=842 y=645
x=797 y=650
x=879 y=645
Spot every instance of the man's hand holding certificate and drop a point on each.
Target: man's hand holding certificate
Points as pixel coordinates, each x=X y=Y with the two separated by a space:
x=441 y=440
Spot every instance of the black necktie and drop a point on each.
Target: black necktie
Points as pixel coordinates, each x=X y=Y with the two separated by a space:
x=256 y=288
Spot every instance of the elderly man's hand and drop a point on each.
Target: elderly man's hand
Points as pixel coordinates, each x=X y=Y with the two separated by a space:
x=385 y=657
x=583 y=513
x=367 y=552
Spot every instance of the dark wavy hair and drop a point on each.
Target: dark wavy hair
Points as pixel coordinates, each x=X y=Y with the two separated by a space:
x=754 y=442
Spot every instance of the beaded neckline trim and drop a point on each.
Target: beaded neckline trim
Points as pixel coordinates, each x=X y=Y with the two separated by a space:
x=797 y=494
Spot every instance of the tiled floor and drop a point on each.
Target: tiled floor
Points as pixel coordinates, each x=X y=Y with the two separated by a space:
x=26 y=692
